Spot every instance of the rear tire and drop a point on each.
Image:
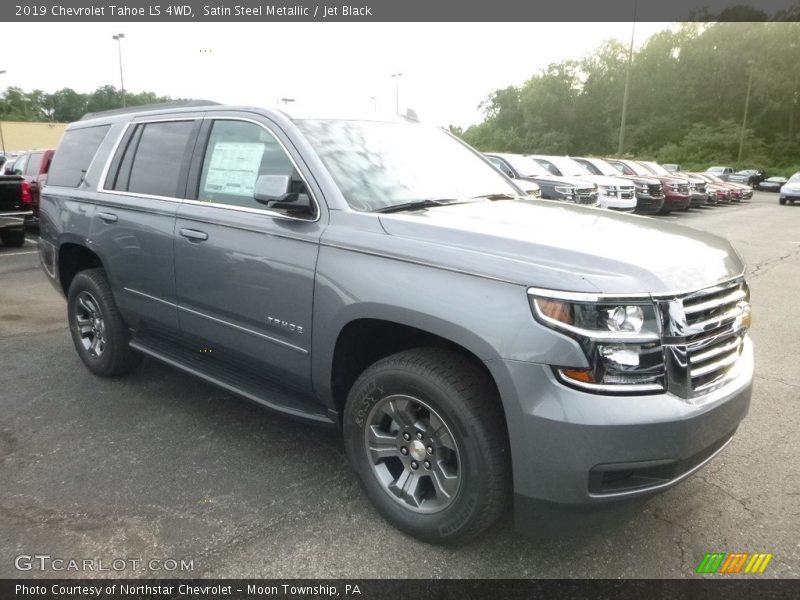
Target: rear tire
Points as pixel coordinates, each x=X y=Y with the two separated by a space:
x=434 y=409
x=13 y=239
x=100 y=335
x=782 y=200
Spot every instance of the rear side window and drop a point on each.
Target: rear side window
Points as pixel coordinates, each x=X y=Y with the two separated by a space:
x=154 y=159
x=75 y=154
x=34 y=163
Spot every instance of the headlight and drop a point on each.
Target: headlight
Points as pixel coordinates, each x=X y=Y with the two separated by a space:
x=621 y=339
x=640 y=187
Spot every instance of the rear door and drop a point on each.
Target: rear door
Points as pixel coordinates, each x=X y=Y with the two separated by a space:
x=245 y=272
x=135 y=218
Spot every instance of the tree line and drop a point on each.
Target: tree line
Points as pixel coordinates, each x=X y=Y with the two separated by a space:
x=67 y=105
x=687 y=95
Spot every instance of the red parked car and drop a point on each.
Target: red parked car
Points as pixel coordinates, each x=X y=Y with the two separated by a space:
x=677 y=189
x=32 y=167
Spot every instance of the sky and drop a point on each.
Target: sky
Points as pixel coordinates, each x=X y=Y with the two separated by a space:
x=447 y=68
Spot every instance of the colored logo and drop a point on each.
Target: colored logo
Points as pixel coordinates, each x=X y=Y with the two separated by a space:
x=737 y=562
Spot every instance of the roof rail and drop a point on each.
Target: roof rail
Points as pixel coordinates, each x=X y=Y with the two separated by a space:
x=146 y=107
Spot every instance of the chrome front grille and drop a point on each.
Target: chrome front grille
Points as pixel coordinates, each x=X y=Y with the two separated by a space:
x=700 y=188
x=586 y=196
x=655 y=190
x=703 y=336
x=626 y=193
x=683 y=188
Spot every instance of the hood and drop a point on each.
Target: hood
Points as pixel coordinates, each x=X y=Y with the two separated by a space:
x=793 y=186
x=561 y=246
x=674 y=180
x=609 y=181
x=642 y=180
x=558 y=180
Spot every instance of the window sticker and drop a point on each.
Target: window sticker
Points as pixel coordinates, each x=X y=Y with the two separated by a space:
x=234 y=168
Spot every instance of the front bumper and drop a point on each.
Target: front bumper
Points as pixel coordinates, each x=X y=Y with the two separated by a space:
x=617 y=203
x=790 y=195
x=576 y=448
x=676 y=201
x=648 y=205
x=698 y=200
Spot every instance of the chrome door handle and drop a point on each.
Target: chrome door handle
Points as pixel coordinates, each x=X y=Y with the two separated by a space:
x=194 y=235
x=107 y=217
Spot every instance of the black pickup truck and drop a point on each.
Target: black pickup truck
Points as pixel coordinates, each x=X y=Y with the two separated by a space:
x=15 y=210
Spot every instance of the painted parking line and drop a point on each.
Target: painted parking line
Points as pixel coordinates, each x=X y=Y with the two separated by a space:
x=27 y=239
x=18 y=253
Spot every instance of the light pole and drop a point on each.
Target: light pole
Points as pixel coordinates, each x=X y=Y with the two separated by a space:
x=2 y=141
x=627 y=87
x=750 y=63
x=396 y=77
x=119 y=37
x=374 y=103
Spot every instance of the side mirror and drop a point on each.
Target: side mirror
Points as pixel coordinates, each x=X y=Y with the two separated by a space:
x=510 y=173
x=273 y=188
x=275 y=192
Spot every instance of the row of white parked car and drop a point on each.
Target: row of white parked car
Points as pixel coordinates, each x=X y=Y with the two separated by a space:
x=627 y=185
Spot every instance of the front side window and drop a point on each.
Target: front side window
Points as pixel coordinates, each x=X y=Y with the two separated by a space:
x=19 y=166
x=377 y=165
x=237 y=154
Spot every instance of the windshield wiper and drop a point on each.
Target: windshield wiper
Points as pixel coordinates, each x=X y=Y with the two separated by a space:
x=427 y=203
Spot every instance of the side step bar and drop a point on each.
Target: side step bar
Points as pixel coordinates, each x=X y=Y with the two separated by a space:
x=256 y=389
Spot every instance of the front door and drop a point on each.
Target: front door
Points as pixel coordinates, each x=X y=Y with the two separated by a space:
x=245 y=271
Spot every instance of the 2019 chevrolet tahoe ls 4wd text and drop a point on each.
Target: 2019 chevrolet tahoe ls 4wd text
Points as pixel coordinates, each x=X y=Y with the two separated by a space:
x=474 y=346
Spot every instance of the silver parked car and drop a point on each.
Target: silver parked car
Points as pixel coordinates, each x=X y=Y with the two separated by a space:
x=472 y=344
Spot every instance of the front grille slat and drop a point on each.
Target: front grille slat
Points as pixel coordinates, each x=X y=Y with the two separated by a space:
x=732 y=298
x=716 y=351
x=709 y=326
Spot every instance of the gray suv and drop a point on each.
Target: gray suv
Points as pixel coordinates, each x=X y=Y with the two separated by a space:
x=476 y=347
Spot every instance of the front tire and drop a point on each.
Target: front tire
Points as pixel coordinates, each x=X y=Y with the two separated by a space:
x=425 y=432
x=782 y=200
x=100 y=335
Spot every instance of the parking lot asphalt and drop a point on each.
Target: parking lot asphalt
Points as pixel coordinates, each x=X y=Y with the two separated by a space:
x=158 y=465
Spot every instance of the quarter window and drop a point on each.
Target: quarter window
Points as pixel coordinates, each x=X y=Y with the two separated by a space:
x=75 y=154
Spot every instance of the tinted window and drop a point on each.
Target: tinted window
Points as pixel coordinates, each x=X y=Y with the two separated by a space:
x=75 y=154
x=159 y=156
x=238 y=153
x=34 y=163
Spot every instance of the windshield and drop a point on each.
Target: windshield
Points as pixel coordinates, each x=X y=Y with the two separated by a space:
x=794 y=178
x=635 y=167
x=526 y=167
x=378 y=164
x=601 y=167
x=657 y=169
x=567 y=166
